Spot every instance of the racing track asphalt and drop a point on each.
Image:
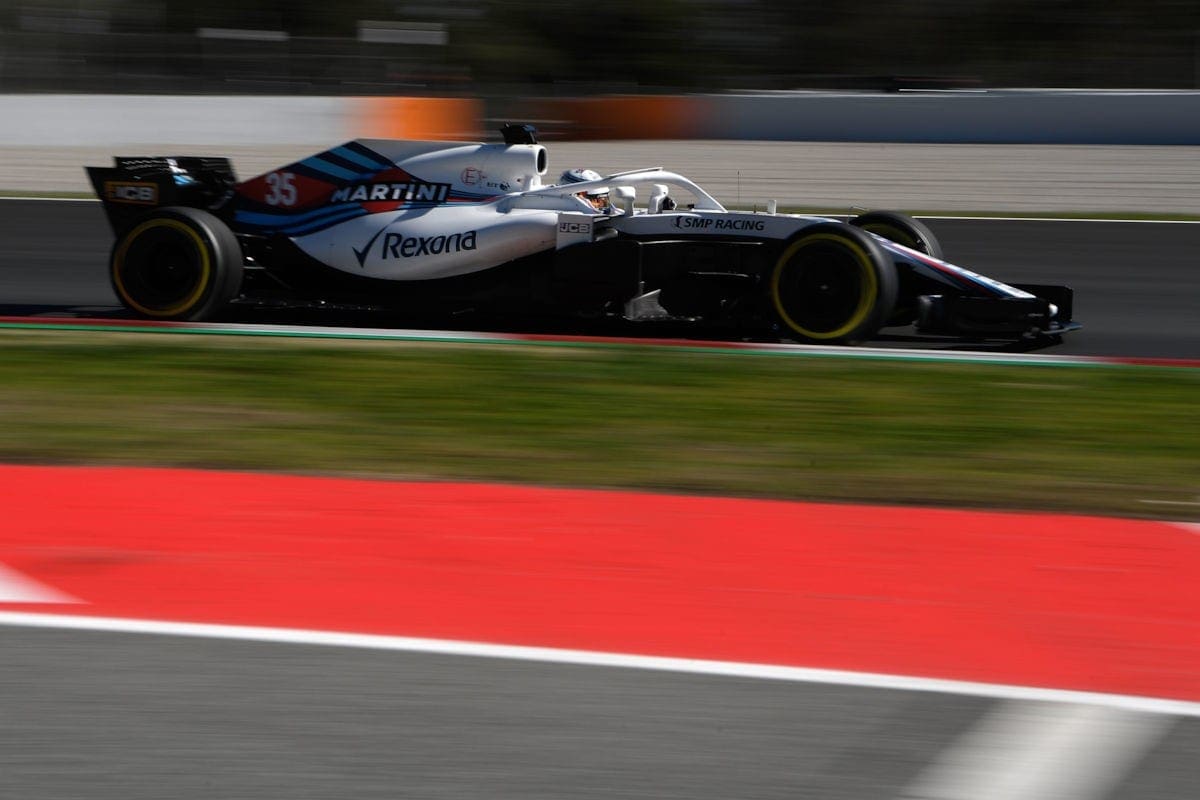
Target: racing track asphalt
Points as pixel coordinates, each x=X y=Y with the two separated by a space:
x=126 y=716
x=133 y=716
x=1136 y=284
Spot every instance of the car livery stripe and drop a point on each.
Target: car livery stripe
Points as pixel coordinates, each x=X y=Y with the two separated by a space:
x=264 y=219
x=361 y=160
x=961 y=278
x=332 y=157
x=383 y=162
x=292 y=226
x=331 y=171
x=958 y=275
x=313 y=221
x=315 y=174
x=326 y=222
x=274 y=220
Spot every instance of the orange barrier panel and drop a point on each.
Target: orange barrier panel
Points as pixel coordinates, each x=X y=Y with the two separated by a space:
x=575 y=118
x=626 y=117
x=421 y=118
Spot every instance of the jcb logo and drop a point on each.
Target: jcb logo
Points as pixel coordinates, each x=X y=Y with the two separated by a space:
x=575 y=227
x=127 y=192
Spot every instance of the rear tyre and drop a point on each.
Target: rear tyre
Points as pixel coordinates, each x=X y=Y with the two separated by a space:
x=901 y=229
x=832 y=284
x=176 y=263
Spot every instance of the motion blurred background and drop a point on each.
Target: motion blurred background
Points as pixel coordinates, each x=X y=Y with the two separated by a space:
x=557 y=47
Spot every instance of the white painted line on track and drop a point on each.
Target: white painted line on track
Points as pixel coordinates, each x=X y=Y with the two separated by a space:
x=732 y=669
x=1038 y=751
x=18 y=588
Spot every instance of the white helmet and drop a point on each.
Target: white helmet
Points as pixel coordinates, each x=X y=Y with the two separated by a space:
x=594 y=196
x=578 y=176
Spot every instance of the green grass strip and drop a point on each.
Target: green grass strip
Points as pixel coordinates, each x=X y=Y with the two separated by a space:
x=1101 y=440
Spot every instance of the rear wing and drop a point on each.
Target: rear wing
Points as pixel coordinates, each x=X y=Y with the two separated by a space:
x=134 y=185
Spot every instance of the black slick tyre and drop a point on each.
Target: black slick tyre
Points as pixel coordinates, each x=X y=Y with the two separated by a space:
x=901 y=229
x=176 y=263
x=832 y=284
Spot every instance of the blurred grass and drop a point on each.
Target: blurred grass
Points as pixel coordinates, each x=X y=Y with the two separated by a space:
x=1094 y=439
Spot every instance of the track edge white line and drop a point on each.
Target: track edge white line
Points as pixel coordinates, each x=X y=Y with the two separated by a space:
x=732 y=669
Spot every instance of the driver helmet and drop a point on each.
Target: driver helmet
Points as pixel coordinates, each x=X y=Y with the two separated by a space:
x=596 y=197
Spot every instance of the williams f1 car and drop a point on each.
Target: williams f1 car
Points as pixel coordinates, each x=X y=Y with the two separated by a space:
x=447 y=227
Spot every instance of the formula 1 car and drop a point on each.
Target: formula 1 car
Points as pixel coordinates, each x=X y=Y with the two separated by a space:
x=415 y=227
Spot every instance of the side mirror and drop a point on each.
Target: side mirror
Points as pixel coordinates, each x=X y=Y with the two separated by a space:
x=624 y=198
x=658 y=196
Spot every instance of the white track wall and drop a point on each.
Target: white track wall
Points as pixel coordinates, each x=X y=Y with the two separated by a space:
x=1005 y=117
x=1012 y=117
x=121 y=120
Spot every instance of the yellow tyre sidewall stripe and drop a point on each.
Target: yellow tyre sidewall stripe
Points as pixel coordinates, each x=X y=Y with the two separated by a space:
x=205 y=267
x=866 y=300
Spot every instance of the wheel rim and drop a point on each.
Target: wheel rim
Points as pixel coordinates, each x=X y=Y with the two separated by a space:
x=824 y=286
x=162 y=268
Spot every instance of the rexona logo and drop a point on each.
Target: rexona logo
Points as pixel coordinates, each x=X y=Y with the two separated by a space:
x=131 y=192
x=397 y=245
x=417 y=192
x=718 y=224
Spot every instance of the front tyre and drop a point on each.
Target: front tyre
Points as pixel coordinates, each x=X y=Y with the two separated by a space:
x=832 y=284
x=176 y=263
x=901 y=229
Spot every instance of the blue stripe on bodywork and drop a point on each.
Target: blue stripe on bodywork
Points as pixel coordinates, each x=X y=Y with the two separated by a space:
x=951 y=273
x=326 y=222
x=278 y=220
x=319 y=164
x=359 y=159
x=383 y=161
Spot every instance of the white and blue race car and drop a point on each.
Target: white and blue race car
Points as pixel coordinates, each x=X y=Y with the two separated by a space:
x=444 y=227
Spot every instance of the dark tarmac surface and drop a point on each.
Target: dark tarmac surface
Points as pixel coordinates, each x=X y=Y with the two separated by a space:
x=125 y=716
x=1137 y=286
